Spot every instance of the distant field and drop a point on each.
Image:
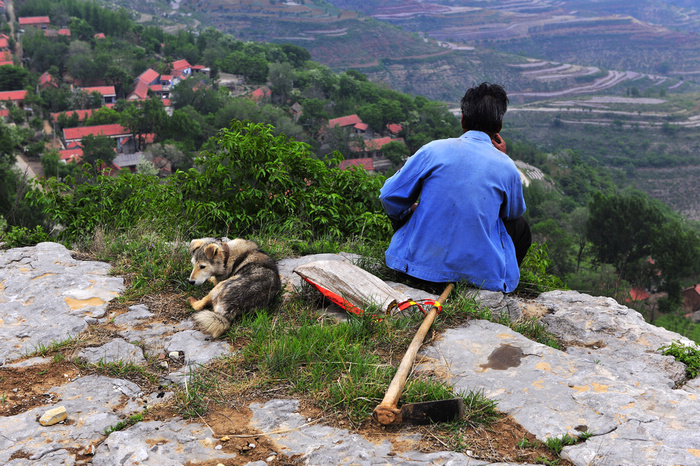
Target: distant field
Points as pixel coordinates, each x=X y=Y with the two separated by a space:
x=653 y=142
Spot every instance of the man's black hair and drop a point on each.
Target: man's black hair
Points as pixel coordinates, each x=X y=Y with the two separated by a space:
x=483 y=107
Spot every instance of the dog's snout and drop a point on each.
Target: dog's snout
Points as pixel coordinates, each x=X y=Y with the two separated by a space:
x=191 y=281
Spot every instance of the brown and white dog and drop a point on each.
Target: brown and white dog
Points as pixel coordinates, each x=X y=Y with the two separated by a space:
x=244 y=277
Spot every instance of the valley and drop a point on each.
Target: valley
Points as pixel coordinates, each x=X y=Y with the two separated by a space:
x=565 y=66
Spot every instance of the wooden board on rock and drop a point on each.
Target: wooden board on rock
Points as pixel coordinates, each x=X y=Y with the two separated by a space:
x=350 y=287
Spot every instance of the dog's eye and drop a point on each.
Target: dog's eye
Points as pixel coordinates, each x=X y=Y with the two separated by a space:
x=202 y=266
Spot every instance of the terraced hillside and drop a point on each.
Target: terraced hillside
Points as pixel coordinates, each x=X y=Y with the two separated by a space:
x=563 y=63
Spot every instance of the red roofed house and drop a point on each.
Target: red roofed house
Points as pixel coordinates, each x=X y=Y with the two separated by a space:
x=6 y=58
x=141 y=84
x=150 y=76
x=140 y=92
x=366 y=163
x=46 y=81
x=637 y=294
x=82 y=114
x=114 y=131
x=4 y=42
x=373 y=147
x=39 y=22
x=691 y=298
x=16 y=97
x=64 y=32
x=181 y=67
x=99 y=35
x=109 y=94
x=394 y=129
x=71 y=155
x=260 y=94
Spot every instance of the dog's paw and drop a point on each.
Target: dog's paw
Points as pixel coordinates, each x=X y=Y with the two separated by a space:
x=191 y=300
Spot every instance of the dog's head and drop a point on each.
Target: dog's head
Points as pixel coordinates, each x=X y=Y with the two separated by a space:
x=208 y=260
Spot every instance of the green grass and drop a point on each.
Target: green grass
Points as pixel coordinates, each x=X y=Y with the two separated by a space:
x=43 y=350
x=121 y=425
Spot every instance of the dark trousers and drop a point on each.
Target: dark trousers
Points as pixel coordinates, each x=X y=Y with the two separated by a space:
x=519 y=231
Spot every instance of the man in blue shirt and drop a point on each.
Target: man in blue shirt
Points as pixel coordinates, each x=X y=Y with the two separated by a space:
x=457 y=203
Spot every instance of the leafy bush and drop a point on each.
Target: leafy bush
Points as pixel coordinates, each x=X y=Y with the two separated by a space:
x=249 y=180
x=688 y=355
x=20 y=236
x=535 y=272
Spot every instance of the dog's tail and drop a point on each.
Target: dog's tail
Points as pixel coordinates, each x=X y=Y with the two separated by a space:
x=212 y=323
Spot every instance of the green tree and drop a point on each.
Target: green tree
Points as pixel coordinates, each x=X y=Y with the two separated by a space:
x=396 y=152
x=96 y=148
x=147 y=117
x=281 y=77
x=13 y=78
x=676 y=253
x=620 y=227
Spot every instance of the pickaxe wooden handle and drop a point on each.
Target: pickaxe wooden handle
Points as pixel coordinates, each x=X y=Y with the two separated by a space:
x=387 y=411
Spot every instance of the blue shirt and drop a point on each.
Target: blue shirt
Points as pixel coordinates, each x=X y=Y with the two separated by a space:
x=467 y=188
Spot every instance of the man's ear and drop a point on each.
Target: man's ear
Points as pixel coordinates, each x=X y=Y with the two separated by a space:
x=464 y=124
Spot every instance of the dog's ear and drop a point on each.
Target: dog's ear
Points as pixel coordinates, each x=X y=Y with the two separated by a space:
x=210 y=250
x=195 y=244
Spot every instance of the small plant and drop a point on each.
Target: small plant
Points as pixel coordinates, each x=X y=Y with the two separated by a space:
x=43 y=350
x=688 y=355
x=526 y=443
x=556 y=444
x=58 y=357
x=121 y=425
x=3 y=398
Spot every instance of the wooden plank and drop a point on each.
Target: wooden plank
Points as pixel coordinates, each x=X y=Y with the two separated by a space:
x=354 y=284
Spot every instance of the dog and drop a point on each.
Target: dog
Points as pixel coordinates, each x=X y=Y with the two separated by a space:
x=245 y=278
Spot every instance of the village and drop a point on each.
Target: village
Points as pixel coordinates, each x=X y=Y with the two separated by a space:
x=66 y=130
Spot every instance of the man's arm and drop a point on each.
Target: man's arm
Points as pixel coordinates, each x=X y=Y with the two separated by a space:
x=400 y=192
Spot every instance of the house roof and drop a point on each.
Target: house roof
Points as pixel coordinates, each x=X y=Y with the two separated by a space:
x=99 y=35
x=82 y=114
x=32 y=20
x=374 y=144
x=148 y=76
x=181 y=65
x=69 y=155
x=366 y=163
x=361 y=126
x=349 y=120
x=637 y=294
x=692 y=289
x=64 y=32
x=104 y=90
x=13 y=95
x=394 y=128
x=4 y=43
x=260 y=92
x=139 y=92
x=167 y=103
x=127 y=160
x=6 y=58
x=156 y=87
x=98 y=130
x=166 y=77
x=47 y=80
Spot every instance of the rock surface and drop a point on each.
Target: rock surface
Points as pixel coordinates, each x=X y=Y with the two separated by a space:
x=611 y=381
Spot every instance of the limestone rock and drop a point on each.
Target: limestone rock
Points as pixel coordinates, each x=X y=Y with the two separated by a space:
x=54 y=416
